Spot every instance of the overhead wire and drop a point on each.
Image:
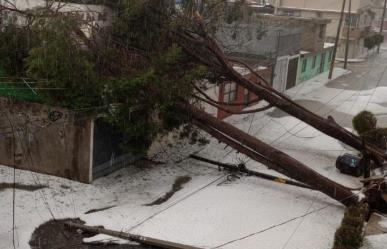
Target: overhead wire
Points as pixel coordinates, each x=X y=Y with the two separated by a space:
x=284 y=222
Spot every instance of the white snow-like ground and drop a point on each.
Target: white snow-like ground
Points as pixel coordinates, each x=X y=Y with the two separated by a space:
x=377 y=241
x=209 y=212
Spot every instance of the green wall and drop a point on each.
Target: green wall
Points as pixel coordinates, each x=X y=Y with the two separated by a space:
x=17 y=91
x=311 y=71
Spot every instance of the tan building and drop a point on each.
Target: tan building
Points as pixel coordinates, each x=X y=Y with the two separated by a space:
x=360 y=22
x=92 y=17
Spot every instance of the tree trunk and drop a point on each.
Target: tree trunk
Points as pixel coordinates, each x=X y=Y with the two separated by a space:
x=212 y=52
x=131 y=237
x=326 y=125
x=287 y=165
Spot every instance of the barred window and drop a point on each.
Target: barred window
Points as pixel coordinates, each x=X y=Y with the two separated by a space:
x=230 y=92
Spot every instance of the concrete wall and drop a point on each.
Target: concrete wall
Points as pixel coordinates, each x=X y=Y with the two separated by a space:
x=94 y=16
x=329 y=5
x=48 y=140
x=321 y=65
x=276 y=41
x=361 y=10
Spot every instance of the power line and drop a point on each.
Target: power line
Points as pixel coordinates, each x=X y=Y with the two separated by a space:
x=282 y=223
x=175 y=203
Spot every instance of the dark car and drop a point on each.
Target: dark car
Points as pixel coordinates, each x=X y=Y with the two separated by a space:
x=349 y=164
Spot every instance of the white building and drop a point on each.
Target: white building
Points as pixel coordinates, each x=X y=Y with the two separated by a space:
x=359 y=22
x=93 y=16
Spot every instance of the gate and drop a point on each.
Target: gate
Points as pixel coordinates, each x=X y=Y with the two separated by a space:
x=292 y=73
x=280 y=74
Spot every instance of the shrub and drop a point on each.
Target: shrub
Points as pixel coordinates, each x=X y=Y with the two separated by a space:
x=369 y=42
x=350 y=233
x=364 y=122
x=376 y=136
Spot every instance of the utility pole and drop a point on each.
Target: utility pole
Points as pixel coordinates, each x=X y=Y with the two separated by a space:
x=131 y=237
x=337 y=40
x=348 y=32
x=276 y=6
x=382 y=22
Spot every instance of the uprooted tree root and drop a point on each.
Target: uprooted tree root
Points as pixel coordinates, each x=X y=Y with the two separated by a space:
x=350 y=234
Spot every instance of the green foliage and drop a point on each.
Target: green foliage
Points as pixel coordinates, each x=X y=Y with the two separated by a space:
x=376 y=136
x=364 y=122
x=134 y=70
x=369 y=42
x=141 y=24
x=373 y=40
x=350 y=233
x=14 y=46
x=149 y=101
x=68 y=67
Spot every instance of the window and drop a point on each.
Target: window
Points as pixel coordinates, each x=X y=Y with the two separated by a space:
x=330 y=56
x=246 y=97
x=304 y=63
x=321 y=32
x=230 y=92
x=314 y=62
x=351 y=20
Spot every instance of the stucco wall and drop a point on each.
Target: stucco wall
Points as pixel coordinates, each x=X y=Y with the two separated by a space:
x=329 y=5
x=48 y=140
x=274 y=41
x=311 y=71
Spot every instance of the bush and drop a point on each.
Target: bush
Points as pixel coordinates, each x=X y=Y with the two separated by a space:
x=376 y=136
x=350 y=233
x=373 y=40
x=369 y=42
x=364 y=122
x=348 y=237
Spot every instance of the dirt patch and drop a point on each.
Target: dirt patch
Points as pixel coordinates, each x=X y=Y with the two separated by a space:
x=177 y=185
x=26 y=187
x=54 y=235
x=98 y=209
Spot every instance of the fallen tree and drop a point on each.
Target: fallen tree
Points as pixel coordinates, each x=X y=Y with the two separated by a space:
x=273 y=158
x=202 y=46
x=131 y=237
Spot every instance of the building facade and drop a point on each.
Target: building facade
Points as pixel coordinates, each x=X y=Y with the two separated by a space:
x=359 y=22
x=92 y=17
x=59 y=142
x=312 y=64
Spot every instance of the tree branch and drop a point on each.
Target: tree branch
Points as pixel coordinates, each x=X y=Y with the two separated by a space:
x=230 y=111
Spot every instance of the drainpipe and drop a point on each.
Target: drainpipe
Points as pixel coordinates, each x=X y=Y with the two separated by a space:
x=348 y=29
x=382 y=22
x=337 y=41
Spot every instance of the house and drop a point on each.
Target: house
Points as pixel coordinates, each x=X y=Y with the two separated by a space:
x=359 y=22
x=378 y=9
x=285 y=50
x=58 y=141
x=312 y=34
x=55 y=140
x=92 y=17
x=314 y=63
x=231 y=93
